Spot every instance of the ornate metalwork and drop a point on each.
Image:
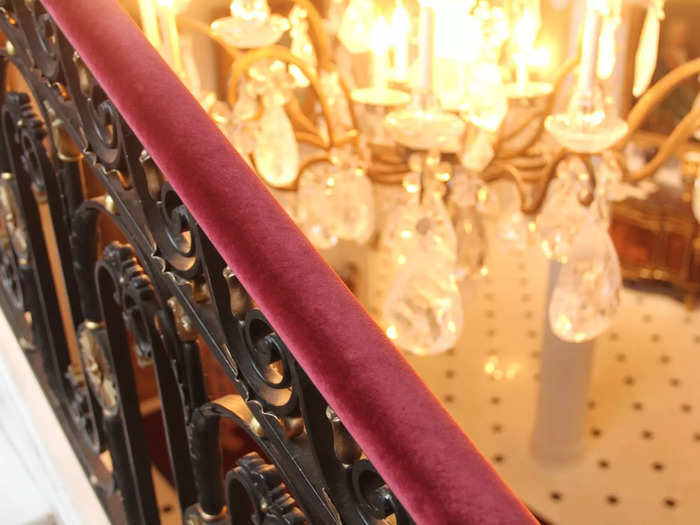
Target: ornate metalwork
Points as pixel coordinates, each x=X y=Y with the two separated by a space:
x=105 y=272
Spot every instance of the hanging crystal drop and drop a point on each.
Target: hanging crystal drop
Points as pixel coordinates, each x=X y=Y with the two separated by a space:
x=423 y=310
x=335 y=201
x=645 y=58
x=472 y=245
x=276 y=153
x=423 y=227
x=337 y=101
x=301 y=45
x=511 y=224
x=314 y=206
x=560 y=218
x=354 y=205
x=356 y=25
x=609 y=178
x=587 y=293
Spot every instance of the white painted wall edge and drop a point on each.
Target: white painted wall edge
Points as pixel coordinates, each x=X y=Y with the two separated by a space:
x=45 y=449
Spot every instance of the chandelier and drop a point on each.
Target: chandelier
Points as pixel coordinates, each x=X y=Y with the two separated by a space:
x=413 y=127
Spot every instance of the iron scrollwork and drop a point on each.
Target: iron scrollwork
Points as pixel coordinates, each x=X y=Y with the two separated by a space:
x=106 y=274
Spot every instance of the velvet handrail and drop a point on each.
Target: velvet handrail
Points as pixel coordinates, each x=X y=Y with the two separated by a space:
x=430 y=464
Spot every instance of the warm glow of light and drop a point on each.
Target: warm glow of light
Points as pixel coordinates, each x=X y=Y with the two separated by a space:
x=443 y=175
x=458 y=35
x=401 y=259
x=400 y=23
x=525 y=31
x=495 y=370
x=490 y=365
x=484 y=271
x=606 y=51
x=379 y=37
x=540 y=57
x=176 y=5
x=400 y=27
x=391 y=332
x=531 y=226
x=602 y=6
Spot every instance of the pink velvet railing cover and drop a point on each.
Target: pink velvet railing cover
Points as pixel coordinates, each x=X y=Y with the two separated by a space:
x=424 y=456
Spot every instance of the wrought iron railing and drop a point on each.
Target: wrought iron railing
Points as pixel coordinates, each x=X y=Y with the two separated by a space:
x=101 y=260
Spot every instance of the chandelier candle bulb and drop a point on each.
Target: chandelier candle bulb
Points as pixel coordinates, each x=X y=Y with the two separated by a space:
x=426 y=42
x=589 y=46
x=379 y=39
x=400 y=28
x=172 y=39
x=525 y=31
x=149 y=22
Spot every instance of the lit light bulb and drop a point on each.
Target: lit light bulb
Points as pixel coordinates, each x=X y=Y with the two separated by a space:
x=524 y=33
x=606 y=50
x=355 y=28
x=178 y=6
x=540 y=57
x=379 y=38
x=400 y=27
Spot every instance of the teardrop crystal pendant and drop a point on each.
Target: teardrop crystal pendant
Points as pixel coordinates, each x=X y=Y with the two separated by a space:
x=335 y=201
x=587 y=293
x=356 y=25
x=423 y=227
x=559 y=220
x=472 y=245
x=354 y=205
x=276 y=153
x=314 y=207
x=423 y=309
x=301 y=45
x=511 y=224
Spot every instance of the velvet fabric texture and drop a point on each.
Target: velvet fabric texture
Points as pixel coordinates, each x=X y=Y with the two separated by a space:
x=424 y=456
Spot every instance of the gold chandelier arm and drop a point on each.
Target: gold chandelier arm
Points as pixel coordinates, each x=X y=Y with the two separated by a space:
x=241 y=66
x=311 y=138
x=559 y=77
x=310 y=161
x=680 y=134
x=655 y=94
x=186 y=22
x=304 y=125
x=541 y=180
